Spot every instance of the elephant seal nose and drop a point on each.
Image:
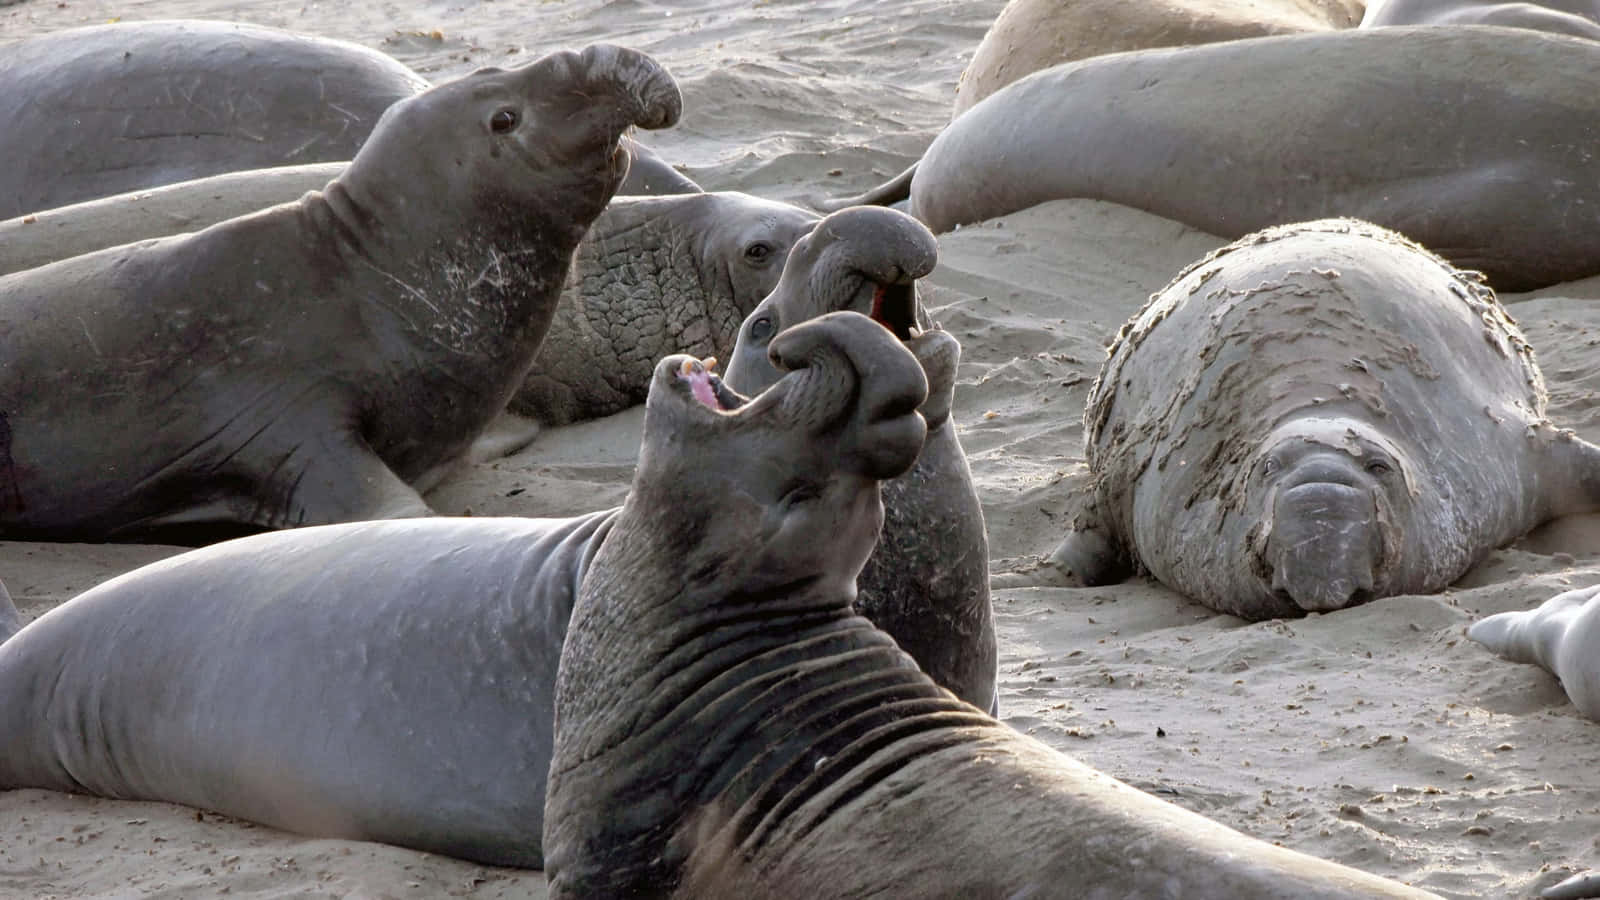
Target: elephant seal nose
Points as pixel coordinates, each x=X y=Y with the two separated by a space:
x=1324 y=546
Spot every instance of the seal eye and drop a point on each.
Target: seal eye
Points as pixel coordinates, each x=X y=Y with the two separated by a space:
x=1378 y=467
x=761 y=329
x=503 y=121
x=1270 y=467
x=758 y=252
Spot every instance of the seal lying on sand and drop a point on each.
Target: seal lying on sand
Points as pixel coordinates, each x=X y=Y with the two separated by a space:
x=272 y=370
x=454 y=622
x=1030 y=35
x=1562 y=636
x=928 y=581
x=96 y=111
x=1579 y=18
x=654 y=275
x=1315 y=416
x=727 y=726
x=1234 y=137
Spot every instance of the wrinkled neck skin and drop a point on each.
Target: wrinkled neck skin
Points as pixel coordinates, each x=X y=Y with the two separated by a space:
x=681 y=713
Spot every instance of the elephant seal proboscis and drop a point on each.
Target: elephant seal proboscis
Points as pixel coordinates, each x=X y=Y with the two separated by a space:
x=1561 y=636
x=654 y=275
x=1241 y=135
x=1316 y=416
x=727 y=726
x=101 y=110
x=928 y=581
x=1579 y=18
x=1030 y=35
x=305 y=364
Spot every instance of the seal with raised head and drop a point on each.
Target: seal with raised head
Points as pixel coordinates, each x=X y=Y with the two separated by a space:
x=1237 y=136
x=307 y=363
x=1561 y=636
x=728 y=726
x=654 y=275
x=1579 y=18
x=928 y=581
x=96 y=111
x=1313 y=417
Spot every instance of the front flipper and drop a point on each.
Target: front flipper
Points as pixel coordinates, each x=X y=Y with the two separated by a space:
x=1090 y=556
x=349 y=483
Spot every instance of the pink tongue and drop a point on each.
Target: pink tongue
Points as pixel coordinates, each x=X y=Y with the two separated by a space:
x=700 y=384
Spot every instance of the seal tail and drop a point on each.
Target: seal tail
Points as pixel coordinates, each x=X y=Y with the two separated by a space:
x=889 y=193
x=10 y=618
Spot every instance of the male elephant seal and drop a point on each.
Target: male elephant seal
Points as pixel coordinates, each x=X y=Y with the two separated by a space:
x=101 y=110
x=1030 y=35
x=1236 y=136
x=1562 y=636
x=273 y=369
x=1579 y=18
x=456 y=622
x=727 y=726
x=928 y=581
x=1313 y=417
x=654 y=275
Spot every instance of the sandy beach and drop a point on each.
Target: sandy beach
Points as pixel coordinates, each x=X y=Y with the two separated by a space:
x=1378 y=736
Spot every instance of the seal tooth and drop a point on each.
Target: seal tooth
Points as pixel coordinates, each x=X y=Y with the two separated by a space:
x=710 y=363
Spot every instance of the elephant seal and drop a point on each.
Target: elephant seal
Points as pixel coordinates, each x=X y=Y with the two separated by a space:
x=1030 y=35
x=1316 y=416
x=1237 y=136
x=928 y=581
x=96 y=111
x=1561 y=636
x=1579 y=18
x=387 y=681
x=10 y=618
x=654 y=275
x=727 y=726
x=270 y=374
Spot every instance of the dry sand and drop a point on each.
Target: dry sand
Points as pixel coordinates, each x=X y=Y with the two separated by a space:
x=1377 y=736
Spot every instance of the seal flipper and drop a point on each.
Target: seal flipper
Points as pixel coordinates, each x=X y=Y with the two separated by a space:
x=889 y=193
x=1575 y=888
x=347 y=482
x=1090 y=556
x=1579 y=461
x=10 y=618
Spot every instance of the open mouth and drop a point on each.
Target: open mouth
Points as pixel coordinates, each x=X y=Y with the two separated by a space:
x=706 y=387
x=894 y=306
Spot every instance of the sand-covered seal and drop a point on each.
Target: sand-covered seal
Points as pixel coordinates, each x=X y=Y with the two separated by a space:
x=1237 y=136
x=727 y=726
x=1579 y=18
x=928 y=581
x=654 y=275
x=1316 y=416
x=1561 y=636
x=96 y=111
x=307 y=363
x=1030 y=35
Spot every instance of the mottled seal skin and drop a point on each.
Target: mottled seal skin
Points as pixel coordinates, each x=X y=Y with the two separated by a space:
x=727 y=726
x=1313 y=417
x=270 y=373
x=928 y=581
x=1030 y=35
x=1579 y=18
x=654 y=275
x=1562 y=636
x=96 y=111
x=386 y=681
x=1238 y=136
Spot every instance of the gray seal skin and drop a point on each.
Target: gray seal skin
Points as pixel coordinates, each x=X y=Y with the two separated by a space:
x=928 y=581
x=274 y=370
x=384 y=681
x=1561 y=636
x=96 y=111
x=1316 y=416
x=1579 y=18
x=727 y=726
x=653 y=276
x=1237 y=136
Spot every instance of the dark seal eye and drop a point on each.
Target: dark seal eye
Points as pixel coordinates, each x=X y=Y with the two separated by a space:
x=503 y=121
x=1378 y=467
x=1271 y=466
x=761 y=329
x=758 y=252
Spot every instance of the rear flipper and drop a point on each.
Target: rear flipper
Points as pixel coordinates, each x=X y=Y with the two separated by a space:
x=1530 y=636
x=889 y=193
x=10 y=619
x=1575 y=888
